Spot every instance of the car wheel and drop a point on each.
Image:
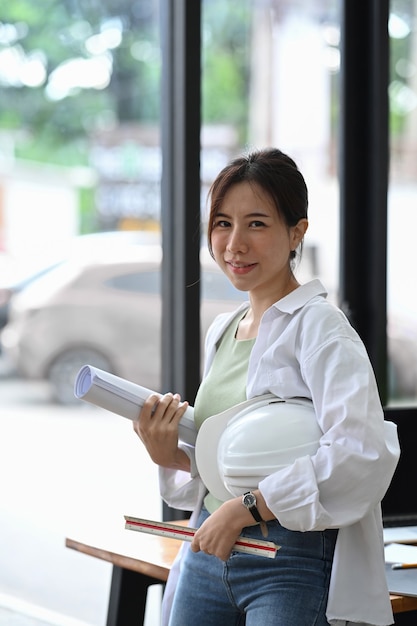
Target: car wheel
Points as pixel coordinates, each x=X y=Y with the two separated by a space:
x=65 y=367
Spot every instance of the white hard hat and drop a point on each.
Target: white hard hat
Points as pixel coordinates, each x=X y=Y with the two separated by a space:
x=236 y=449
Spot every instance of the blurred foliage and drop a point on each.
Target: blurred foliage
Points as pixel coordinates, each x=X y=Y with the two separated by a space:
x=226 y=62
x=57 y=31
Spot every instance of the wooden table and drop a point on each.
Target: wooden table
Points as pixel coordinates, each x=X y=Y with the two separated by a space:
x=140 y=560
x=401 y=604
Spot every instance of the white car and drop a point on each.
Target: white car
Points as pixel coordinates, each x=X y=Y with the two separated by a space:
x=103 y=308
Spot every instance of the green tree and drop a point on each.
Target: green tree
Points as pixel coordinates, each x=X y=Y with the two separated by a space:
x=56 y=127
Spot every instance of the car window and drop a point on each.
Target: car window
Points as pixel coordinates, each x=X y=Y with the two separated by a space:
x=215 y=286
x=140 y=282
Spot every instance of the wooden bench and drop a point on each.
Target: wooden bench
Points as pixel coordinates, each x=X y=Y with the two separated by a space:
x=140 y=560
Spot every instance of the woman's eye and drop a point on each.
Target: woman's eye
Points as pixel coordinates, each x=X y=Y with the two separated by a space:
x=222 y=223
x=257 y=224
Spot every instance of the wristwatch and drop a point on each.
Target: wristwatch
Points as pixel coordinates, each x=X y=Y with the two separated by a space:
x=249 y=501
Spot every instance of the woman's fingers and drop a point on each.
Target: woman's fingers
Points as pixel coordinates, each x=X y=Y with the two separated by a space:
x=157 y=427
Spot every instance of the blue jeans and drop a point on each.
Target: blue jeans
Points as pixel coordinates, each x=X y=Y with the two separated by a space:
x=251 y=590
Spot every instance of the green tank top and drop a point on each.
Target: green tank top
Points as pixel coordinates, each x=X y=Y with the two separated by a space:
x=225 y=384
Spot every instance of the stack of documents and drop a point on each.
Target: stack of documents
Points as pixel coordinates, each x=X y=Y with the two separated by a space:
x=400 y=547
x=400 y=534
x=401 y=555
x=401 y=560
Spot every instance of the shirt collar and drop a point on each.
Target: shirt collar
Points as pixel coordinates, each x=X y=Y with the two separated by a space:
x=300 y=296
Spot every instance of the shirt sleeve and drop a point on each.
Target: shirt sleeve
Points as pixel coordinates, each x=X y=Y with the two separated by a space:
x=358 y=451
x=179 y=489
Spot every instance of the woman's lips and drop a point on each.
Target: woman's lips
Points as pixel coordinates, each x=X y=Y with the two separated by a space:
x=240 y=268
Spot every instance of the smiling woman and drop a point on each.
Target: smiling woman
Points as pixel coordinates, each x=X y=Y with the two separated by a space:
x=323 y=506
x=270 y=76
x=255 y=228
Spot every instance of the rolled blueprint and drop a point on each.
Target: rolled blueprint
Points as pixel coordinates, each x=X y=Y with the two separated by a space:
x=123 y=397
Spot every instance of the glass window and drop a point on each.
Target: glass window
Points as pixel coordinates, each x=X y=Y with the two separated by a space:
x=216 y=287
x=269 y=69
x=139 y=282
x=402 y=203
x=80 y=120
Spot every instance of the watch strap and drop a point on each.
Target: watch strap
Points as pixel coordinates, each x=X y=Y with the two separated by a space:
x=256 y=515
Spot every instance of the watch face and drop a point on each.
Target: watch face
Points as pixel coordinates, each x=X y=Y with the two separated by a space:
x=249 y=500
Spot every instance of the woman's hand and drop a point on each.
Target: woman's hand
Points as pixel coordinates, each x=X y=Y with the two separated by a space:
x=218 y=534
x=157 y=427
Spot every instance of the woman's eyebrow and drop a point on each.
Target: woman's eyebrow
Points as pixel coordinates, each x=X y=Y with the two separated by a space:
x=258 y=214
x=250 y=215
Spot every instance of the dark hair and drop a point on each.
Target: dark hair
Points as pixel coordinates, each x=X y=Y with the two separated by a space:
x=275 y=173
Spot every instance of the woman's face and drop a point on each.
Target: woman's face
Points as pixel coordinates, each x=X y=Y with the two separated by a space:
x=252 y=244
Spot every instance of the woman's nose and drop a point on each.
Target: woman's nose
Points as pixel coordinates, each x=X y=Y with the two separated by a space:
x=236 y=242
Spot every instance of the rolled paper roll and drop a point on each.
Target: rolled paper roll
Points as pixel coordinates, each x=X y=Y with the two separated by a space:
x=123 y=397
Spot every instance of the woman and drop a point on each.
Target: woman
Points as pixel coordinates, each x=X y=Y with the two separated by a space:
x=288 y=340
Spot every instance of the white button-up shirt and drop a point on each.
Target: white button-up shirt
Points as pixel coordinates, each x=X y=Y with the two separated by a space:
x=306 y=347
